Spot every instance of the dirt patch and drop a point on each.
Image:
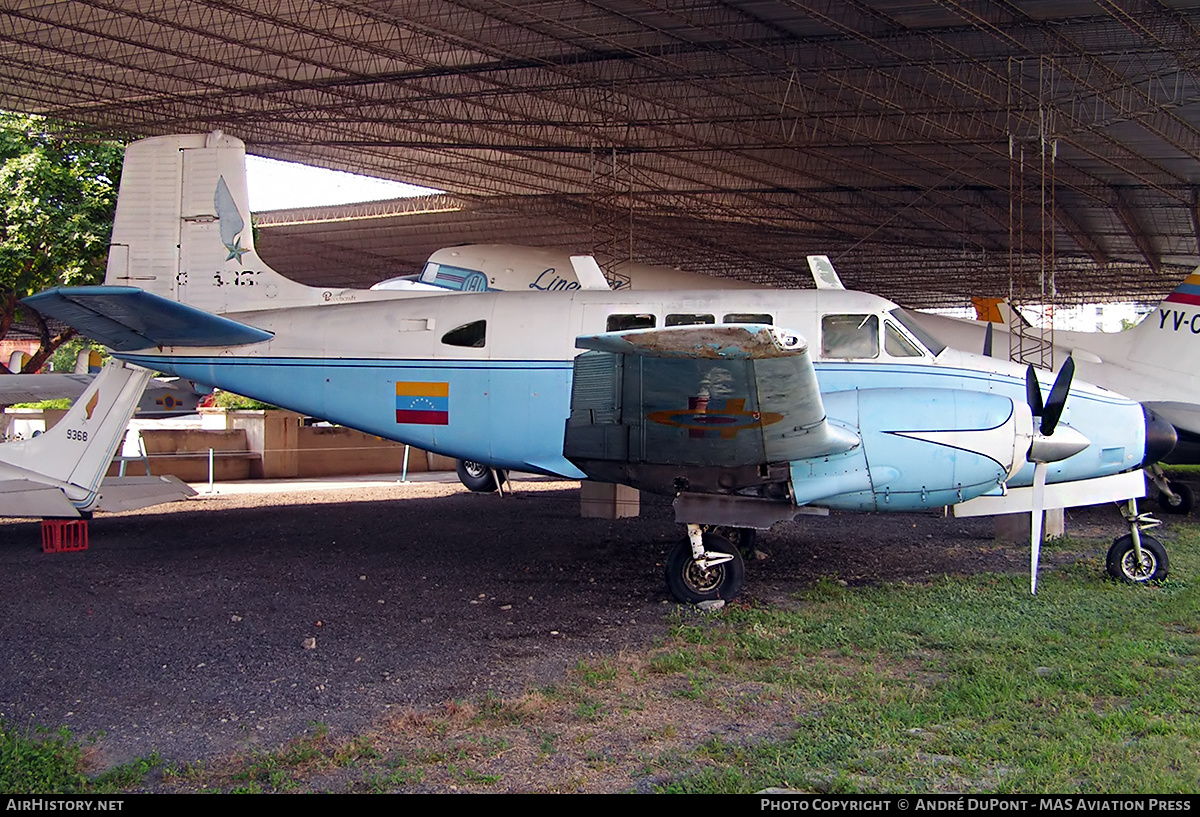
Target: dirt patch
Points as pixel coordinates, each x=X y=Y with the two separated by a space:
x=230 y=625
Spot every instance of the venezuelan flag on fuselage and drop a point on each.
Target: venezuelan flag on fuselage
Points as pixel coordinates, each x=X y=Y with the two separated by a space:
x=1188 y=292
x=423 y=403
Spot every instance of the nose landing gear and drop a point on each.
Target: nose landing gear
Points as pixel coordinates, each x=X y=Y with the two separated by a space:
x=1136 y=557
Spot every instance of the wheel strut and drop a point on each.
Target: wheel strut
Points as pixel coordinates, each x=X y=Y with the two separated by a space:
x=1138 y=522
x=704 y=559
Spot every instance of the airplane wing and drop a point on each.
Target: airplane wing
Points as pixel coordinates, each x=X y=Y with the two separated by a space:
x=719 y=396
x=131 y=493
x=24 y=497
x=128 y=318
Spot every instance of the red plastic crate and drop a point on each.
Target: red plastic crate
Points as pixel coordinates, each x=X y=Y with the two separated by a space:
x=62 y=535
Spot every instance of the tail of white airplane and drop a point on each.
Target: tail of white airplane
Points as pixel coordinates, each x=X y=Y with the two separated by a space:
x=1167 y=337
x=182 y=228
x=59 y=472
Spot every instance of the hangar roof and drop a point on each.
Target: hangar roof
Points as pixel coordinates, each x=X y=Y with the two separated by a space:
x=933 y=148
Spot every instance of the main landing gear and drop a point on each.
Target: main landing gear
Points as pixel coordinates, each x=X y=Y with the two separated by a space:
x=705 y=567
x=744 y=539
x=1136 y=558
x=478 y=477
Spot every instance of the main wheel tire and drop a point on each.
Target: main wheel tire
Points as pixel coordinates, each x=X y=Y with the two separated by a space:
x=692 y=584
x=1123 y=564
x=1183 y=505
x=476 y=476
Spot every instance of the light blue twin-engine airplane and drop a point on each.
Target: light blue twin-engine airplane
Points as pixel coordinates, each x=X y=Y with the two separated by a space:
x=748 y=406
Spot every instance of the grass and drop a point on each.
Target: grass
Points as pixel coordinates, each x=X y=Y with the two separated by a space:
x=963 y=685
x=40 y=760
x=37 y=760
x=972 y=685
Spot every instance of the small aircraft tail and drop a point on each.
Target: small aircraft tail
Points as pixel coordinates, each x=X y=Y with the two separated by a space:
x=76 y=452
x=1166 y=336
x=182 y=229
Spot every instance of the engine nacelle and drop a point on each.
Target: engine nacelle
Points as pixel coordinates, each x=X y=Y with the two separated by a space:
x=969 y=442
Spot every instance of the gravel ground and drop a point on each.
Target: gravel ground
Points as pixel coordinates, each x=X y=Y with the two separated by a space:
x=237 y=620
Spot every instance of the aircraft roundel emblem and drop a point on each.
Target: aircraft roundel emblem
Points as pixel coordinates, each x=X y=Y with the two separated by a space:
x=705 y=418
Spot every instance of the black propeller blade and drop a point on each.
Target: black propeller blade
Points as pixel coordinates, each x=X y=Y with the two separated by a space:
x=1058 y=397
x=1051 y=411
x=987 y=340
x=1033 y=392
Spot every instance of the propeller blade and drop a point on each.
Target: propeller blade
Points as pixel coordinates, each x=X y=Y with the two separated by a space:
x=1058 y=397
x=1033 y=391
x=987 y=340
x=1035 y=523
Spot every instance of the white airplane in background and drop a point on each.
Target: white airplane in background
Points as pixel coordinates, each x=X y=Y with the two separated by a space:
x=163 y=397
x=1157 y=362
x=61 y=473
x=509 y=267
x=714 y=397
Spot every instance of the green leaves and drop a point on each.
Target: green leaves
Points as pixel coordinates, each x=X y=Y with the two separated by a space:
x=57 y=200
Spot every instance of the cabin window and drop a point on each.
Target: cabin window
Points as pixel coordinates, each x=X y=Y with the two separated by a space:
x=896 y=344
x=748 y=317
x=689 y=319
x=470 y=335
x=850 y=336
x=456 y=278
x=622 y=323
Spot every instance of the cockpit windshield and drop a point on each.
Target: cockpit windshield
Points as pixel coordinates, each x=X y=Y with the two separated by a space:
x=935 y=346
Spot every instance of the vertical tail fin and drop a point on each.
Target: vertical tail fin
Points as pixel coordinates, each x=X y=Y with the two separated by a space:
x=182 y=228
x=1166 y=337
x=76 y=452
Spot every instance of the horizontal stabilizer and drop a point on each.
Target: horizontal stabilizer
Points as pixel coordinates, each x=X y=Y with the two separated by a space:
x=131 y=493
x=24 y=497
x=34 y=388
x=127 y=318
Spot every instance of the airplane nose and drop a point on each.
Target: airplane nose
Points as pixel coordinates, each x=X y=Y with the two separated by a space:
x=1160 y=437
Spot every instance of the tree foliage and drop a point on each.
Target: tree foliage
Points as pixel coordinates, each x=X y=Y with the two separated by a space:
x=57 y=200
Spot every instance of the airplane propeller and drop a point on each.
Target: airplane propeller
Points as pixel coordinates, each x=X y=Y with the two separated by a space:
x=1047 y=447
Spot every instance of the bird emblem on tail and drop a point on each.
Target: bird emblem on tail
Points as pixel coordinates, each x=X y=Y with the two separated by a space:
x=231 y=221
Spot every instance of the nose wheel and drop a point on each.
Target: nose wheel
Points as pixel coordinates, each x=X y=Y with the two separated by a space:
x=1146 y=563
x=704 y=567
x=1178 y=500
x=1137 y=558
x=1173 y=496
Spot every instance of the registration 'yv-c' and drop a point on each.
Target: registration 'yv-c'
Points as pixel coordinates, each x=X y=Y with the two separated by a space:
x=748 y=406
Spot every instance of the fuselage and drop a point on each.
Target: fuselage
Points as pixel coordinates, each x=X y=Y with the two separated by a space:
x=1155 y=362
x=487 y=377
